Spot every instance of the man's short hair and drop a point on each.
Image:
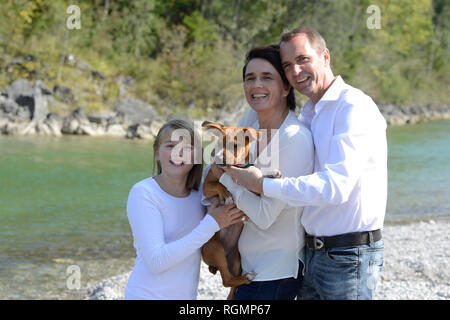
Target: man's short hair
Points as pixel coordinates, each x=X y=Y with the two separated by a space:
x=314 y=37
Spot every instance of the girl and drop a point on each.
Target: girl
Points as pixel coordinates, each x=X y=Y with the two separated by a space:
x=168 y=222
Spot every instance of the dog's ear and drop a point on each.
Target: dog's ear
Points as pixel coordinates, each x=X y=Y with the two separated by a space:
x=253 y=134
x=213 y=125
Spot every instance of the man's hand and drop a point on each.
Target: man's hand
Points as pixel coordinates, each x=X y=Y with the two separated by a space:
x=216 y=171
x=250 y=178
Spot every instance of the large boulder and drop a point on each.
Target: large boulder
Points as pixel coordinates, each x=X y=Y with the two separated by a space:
x=33 y=127
x=42 y=87
x=141 y=131
x=40 y=109
x=8 y=105
x=23 y=114
x=78 y=123
x=20 y=88
x=133 y=111
x=393 y=114
x=54 y=122
x=75 y=122
x=115 y=130
x=17 y=128
x=22 y=93
x=101 y=117
x=26 y=102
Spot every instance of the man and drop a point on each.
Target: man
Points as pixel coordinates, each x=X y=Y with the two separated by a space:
x=345 y=197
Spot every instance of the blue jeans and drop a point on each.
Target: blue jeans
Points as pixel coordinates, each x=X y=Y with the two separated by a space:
x=282 y=289
x=346 y=273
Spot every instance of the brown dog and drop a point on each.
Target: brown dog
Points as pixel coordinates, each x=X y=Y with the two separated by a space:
x=221 y=251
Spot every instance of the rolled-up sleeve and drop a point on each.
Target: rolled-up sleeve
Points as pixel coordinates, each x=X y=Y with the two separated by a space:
x=350 y=148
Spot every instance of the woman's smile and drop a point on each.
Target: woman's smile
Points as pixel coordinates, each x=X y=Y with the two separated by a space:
x=259 y=97
x=263 y=85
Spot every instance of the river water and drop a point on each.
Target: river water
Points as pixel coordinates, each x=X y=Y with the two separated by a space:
x=63 y=200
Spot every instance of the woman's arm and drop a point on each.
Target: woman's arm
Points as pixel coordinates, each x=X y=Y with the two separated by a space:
x=262 y=210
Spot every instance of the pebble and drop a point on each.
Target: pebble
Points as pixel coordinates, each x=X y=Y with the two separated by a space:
x=416 y=259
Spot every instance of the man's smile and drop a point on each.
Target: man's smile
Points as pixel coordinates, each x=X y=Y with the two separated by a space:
x=303 y=79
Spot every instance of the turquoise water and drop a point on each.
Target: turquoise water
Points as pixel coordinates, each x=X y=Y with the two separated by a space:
x=62 y=202
x=419 y=171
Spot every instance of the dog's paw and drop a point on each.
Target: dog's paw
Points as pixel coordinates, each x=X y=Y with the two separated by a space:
x=229 y=200
x=272 y=173
x=212 y=269
x=250 y=275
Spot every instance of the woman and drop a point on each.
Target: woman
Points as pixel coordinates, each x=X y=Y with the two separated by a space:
x=271 y=243
x=168 y=222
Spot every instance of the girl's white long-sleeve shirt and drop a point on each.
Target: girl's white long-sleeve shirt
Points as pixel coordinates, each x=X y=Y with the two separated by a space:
x=272 y=241
x=168 y=235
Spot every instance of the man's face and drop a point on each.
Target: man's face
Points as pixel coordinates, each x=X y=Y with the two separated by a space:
x=305 y=68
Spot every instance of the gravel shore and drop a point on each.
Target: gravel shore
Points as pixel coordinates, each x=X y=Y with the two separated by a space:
x=416 y=260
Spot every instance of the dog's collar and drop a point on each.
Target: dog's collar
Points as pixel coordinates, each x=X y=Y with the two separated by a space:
x=244 y=167
x=237 y=166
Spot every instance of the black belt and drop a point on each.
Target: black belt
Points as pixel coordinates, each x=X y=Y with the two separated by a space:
x=343 y=240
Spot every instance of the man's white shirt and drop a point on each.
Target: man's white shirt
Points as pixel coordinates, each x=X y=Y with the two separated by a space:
x=348 y=190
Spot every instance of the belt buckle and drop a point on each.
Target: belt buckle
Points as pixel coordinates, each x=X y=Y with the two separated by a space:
x=318 y=244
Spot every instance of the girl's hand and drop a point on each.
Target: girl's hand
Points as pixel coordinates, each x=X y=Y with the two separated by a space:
x=225 y=215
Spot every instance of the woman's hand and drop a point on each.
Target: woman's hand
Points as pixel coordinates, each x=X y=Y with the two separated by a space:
x=225 y=215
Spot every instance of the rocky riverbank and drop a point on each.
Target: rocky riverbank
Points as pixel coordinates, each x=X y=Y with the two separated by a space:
x=415 y=267
x=24 y=110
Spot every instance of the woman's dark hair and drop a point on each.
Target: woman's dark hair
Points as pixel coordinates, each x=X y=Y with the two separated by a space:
x=272 y=55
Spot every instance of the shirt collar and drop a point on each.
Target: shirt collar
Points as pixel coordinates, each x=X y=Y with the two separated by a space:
x=334 y=91
x=332 y=94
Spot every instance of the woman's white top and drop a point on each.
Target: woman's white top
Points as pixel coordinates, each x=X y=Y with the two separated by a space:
x=168 y=235
x=272 y=240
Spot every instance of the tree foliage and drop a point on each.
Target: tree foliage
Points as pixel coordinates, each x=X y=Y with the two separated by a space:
x=188 y=54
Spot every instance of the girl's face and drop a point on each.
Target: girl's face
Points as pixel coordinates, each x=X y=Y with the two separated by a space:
x=176 y=157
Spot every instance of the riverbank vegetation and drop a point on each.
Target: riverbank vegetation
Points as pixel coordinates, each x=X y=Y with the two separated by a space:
x=187 y=55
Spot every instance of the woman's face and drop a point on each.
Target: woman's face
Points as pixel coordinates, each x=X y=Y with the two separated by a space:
x=176 y=157
x=264 y=89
